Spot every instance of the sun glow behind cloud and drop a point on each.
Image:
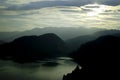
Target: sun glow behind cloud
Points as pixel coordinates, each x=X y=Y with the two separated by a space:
x=90 y=15
x=96 y=9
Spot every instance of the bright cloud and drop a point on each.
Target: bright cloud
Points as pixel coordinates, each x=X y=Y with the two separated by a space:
x=29 y=15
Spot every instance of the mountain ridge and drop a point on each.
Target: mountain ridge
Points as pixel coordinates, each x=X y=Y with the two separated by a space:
x=76 y=42
x=63 y=32
x=98 y=58
x=30 y=48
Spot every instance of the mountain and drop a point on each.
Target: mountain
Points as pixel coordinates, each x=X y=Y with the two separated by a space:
x=102 y=48
x=76 y=42
x=63 y=32
x=32 y=48
x=99 y=58
x=1 y=42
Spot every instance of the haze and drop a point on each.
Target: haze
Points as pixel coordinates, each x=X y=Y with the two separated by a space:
x=16 y=15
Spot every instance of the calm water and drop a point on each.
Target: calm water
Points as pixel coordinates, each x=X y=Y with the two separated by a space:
x=44 y=70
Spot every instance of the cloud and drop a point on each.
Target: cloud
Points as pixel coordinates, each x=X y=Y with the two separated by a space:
x=103 y=8
x=43 y=4
x=19 y=1
x=2 y=7
x=109 y=2
x=37 y=4
x=65 y=16
x=36 y=13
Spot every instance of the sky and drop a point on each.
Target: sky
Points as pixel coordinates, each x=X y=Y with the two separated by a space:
x=19 y=15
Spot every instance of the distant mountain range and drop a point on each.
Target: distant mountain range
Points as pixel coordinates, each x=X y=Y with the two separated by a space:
x=64 y=32
x=46 y=45
x=32 y=48
x=76 y=42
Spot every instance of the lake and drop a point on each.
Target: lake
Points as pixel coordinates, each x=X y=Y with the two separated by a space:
x=50 y=69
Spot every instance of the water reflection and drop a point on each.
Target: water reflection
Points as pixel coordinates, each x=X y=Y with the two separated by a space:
x=52 y=69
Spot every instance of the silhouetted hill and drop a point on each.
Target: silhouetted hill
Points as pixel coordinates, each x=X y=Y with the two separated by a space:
x=102 y=45
x=99 y=59
x=31 y=48
x=1 y=42
x=76 y=42
x=63 y=32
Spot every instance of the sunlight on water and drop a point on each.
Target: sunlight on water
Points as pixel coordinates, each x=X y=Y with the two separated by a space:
x=46 y=70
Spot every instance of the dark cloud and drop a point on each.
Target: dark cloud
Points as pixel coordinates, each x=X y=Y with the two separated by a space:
x=42 y=4
x=109 y=2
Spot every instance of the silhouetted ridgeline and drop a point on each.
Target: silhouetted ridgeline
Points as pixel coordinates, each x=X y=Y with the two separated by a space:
x=99 y=60
x=76 y=42
x=1 y=42
x=64 y=32
x=32 y=48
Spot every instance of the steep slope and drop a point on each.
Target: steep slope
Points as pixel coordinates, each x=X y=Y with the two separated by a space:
x=103 y=47
x=99 y=59
x=76 y=42
x=30 y=48
x=1 y=42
